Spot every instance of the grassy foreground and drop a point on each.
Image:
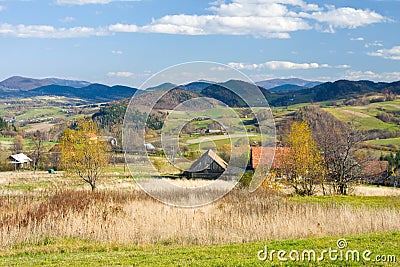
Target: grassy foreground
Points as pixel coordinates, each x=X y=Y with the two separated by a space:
x=76 y=252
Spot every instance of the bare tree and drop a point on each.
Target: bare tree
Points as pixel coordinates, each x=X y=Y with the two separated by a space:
x=18 y=144
x=38 y=139
x=343 y=156
x=339 y=143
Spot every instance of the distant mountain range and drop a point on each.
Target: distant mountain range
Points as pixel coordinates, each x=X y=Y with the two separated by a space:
x=280 y=92
x=26 y=84
x=341 y=89
x=286 y=84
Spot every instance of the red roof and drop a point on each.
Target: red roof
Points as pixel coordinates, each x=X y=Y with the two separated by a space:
x=268 y=156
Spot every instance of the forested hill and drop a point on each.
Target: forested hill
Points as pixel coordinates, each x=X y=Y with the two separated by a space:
x=280 y=96
x=93 y=93
x=342 y=89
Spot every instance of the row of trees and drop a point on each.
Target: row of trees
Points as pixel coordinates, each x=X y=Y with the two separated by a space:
x=323 y=151
x=83 y=153
x=35 y=146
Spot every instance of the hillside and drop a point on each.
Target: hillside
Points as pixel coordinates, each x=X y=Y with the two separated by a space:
x=26 y=84
x=223 y=92
x=64 y=82
x=22 y=83
x=269 y=84
x=342 y=89
x=286 y=88
x=94 y=93
x=289 y=92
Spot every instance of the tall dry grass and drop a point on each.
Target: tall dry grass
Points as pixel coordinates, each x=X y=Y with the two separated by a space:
x=133 y=217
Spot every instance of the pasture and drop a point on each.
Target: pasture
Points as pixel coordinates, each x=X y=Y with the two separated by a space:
x=74 y=252
x=365 y=115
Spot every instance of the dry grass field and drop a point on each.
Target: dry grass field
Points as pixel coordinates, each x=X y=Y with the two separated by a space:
x=38 y=207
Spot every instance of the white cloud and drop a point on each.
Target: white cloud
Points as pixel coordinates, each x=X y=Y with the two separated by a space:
x=2 y=8
x=258 y=18
x=90 y=2
x=344 y=66
x=117 y=52
x=211 y=24
x=277 y=65
x=67 y=19
x=370 y=75
x=375 y=43
x=357 y=39
x=392 y=53
x=123 y=28
x=46 y=31
x=346 y=17
x=120 y=74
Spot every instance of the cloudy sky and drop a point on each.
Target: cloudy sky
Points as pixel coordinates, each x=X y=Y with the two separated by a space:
x=126 y=41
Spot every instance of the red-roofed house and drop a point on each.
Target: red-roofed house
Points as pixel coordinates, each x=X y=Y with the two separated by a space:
x=267 y=156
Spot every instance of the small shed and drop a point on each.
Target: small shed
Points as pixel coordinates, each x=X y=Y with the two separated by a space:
x=208 y=166
x=20 y=160
x=150 y=147
x=210 y=131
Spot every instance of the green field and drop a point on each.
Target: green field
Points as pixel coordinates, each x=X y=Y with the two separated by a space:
x=35 y=113
x=365 y=115
x=385 y=142
x=357 y=201
x=365 y=121
x=77 y=252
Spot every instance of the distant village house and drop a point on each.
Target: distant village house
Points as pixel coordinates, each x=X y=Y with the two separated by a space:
x=20 y=161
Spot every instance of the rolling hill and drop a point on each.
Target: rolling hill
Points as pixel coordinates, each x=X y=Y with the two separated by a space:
x=342 y=89
x=290 y=91
x=25 y=84
x=22 y=83
x=270 y=84
x=93 y=93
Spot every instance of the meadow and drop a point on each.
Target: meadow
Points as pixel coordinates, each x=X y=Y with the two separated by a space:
x=51 y=219
x=365 y=116
x=78 y=252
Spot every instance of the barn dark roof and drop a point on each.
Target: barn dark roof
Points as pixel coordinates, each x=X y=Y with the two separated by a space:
x=205 y=160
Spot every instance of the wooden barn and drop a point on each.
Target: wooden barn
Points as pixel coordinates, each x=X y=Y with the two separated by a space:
x=208 y=166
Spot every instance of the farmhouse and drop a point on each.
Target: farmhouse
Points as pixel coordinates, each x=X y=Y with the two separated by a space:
x=210 y=131
x=20 y=160
x=267 y=156
x=208 y=166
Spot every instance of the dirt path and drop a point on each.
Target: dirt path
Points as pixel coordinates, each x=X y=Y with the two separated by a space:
x=216 y=137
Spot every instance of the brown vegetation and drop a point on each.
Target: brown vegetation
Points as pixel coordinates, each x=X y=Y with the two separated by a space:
x=133 y=217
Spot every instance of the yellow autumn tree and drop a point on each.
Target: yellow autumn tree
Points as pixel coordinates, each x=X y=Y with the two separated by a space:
x=84 y=154
x=303 y=163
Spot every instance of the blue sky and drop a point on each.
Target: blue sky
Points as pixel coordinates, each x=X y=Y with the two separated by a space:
x=125 y=42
